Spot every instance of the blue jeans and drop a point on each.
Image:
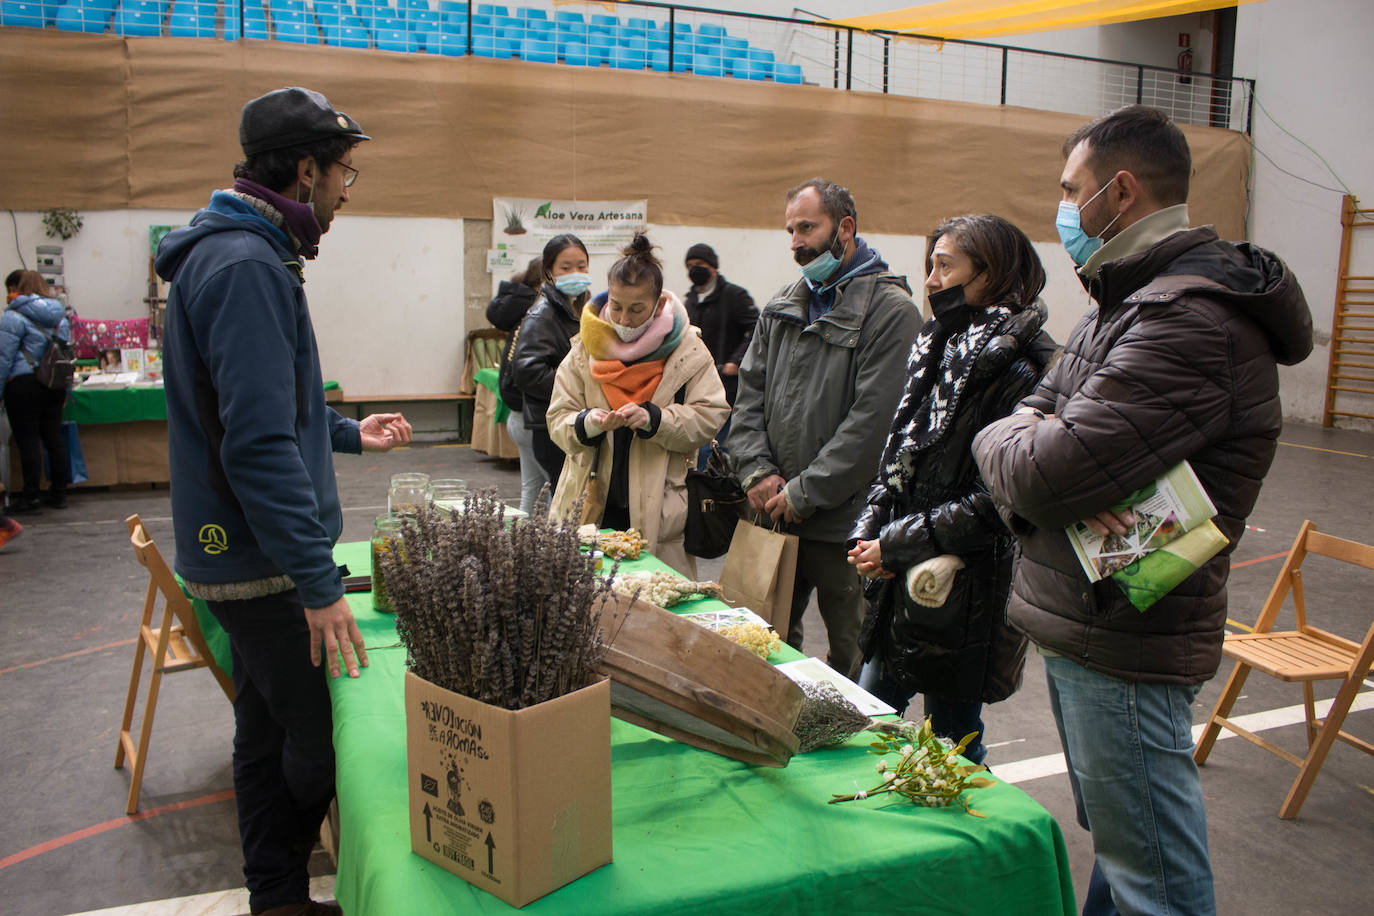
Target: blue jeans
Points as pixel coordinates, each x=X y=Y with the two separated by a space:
x=1129 y=749
x=283 y=744
x=952 y=719
x=704 y=452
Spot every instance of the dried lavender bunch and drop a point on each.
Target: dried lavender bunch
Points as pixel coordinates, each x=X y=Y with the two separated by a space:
x=508 y=615
x=827 y=719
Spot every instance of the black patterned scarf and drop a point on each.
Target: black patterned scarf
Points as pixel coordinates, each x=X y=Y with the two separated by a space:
x=938 y=371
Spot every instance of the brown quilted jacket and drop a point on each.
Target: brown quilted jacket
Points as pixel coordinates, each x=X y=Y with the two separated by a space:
x=1177 y=361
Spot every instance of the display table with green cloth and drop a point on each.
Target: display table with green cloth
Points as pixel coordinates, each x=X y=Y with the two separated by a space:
x=694 y=832
x=123 y=433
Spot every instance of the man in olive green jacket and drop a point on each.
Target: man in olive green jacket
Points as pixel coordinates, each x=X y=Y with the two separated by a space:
x=818 y=388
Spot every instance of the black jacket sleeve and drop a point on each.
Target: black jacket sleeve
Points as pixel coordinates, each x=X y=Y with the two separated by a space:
x=509 y=305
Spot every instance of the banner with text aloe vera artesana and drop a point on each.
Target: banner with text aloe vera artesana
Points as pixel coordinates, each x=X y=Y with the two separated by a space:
x=524 y=224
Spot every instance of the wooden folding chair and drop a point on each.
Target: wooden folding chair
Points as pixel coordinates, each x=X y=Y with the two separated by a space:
x=1306 y=654
x=176 y=644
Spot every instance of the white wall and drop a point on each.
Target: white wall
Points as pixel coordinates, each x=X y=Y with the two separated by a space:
x=1316 y=86
x=386 y=294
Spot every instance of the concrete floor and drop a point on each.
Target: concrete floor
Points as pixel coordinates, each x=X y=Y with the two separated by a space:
x=71 y=595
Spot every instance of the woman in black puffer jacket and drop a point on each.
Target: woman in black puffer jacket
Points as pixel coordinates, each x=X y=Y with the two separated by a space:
x=543 y=339
x=931 y=542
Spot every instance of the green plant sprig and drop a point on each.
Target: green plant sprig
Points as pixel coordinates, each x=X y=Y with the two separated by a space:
x=927 y=771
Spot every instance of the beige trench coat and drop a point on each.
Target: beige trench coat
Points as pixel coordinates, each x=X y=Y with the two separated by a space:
x=659 y=464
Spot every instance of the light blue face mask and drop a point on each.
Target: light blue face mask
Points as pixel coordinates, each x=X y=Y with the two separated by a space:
x=573 y=284
x=822 y=265
x=1078 y=243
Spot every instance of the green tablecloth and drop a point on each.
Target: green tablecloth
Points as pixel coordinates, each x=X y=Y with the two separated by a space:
x=89 y=406
x=490 y=379
x=695 y=832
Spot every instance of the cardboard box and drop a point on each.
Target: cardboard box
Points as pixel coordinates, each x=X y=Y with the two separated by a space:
x=516 y=802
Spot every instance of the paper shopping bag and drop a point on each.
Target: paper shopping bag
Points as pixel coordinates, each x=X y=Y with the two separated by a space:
x=760 y=568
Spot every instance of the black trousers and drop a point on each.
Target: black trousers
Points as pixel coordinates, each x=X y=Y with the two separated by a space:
x=283 y=744
x=35 y=413
x=548 y=453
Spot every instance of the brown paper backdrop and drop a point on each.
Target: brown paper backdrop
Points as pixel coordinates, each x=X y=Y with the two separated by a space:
x=102 y=122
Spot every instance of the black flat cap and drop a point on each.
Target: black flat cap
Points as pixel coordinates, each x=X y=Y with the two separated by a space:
x=291 y=117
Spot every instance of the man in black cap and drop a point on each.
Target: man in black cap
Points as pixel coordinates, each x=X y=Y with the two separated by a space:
x=724 y=312
x=255 y=508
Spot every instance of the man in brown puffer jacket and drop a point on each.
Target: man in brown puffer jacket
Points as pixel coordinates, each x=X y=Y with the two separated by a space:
x=1176 y=361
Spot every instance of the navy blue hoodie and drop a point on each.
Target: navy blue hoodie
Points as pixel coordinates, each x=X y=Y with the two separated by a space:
x=251 y=439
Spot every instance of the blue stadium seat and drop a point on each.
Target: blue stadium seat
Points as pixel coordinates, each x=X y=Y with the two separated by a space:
x=629 y=59
x=683 y=55
x=392 y=40
x=350 y=36
x=761 y=54
x=454 y=27
x=138 y=18
x=710 y=28
x=570 y=31
x=296 y=32
x=761 y=69
x=658 y=60
x=192 y=19
x=788 y=73
x=730 y=53
x=419 y=6
x=450 y=45
x=539 y=52
x=90 y=16
x=27 y=15
x=526 y=12
x=738 y=44
x=682 y=28
x=426 y=17
x=566 y=16
x=573 y=53
x=706 y=65
x=487 y=9
x=453 y=6
x=633 y=43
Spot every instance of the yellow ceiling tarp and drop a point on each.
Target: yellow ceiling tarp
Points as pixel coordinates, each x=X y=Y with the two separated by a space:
x=993 y=18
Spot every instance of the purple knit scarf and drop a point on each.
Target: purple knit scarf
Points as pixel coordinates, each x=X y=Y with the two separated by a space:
x=300 y=218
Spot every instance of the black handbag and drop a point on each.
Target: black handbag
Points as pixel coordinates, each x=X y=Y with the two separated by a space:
x=715 y=502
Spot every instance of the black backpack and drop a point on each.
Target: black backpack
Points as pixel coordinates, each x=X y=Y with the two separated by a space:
x=56 y=369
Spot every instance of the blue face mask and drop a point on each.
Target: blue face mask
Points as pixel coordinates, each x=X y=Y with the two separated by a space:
x=823 y=265
x=573 y=284
x=1078 y=243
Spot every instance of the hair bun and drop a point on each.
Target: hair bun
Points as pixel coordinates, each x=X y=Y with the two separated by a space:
x=640 y=247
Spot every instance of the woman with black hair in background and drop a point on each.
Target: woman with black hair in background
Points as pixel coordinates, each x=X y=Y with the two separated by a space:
x=541 y=342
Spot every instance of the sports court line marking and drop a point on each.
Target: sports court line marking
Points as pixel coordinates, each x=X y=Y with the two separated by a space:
x=57 y=658
x=1329 y=451
x=215 y=903
x=1053 y=764
x=96 y=829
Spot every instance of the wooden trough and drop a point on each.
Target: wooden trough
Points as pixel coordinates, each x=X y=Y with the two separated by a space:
x=678 y=679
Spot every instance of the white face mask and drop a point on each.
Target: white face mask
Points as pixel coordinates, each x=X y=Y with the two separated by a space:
x=629 y=334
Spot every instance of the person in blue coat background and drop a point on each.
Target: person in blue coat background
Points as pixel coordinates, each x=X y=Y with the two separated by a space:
x=32 y=318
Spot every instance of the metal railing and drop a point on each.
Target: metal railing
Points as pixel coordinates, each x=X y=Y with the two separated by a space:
x=679 y=38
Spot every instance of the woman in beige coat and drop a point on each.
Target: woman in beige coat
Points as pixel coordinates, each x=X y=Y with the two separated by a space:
x=635 y=398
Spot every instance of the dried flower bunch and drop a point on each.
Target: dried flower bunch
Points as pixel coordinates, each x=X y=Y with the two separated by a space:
x=663 y=589
x=927 y=771
x=762 y=641
x=505 y=615
x=827 y=719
